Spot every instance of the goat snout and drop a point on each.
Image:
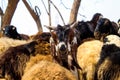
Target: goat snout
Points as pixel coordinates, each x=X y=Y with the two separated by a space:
x=62 y=46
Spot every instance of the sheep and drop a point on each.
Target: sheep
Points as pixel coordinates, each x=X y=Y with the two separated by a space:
x=87 y=56
x=41 y=36
x=45 y=70
x=108 y=66
x=6 y=42
x=13 y=60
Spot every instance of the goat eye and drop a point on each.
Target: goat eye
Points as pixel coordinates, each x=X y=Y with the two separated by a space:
x=106 y=40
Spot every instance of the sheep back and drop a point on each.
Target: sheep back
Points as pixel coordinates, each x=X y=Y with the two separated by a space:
x=87 y=55
x=46 y=70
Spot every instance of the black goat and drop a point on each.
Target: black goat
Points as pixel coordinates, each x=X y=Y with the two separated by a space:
x=11 y=32
x=105 y=27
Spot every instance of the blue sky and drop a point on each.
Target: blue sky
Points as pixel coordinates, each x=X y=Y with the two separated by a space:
x=25 y=23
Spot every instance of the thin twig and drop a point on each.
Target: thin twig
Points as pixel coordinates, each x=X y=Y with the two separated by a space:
x=45 y=7
x=64 y=5
x=58 y=11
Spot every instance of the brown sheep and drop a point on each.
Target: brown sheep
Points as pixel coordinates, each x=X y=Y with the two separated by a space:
x=6 y=42
x=45 y=70
x=41 y=36
x=13 y=61
x=87 y=56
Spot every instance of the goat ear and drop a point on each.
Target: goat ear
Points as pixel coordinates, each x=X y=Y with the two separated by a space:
x=74 y=24
x=50 y=27
x=13 y=28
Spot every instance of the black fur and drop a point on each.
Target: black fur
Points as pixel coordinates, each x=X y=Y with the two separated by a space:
x=112 y=54
x=105 y=27
x=83 y=31
x=11 y=32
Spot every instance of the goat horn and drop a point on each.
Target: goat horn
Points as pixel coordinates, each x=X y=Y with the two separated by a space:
x=50 y=27
x=74 y=24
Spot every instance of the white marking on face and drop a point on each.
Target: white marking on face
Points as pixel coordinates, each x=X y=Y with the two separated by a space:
x=119 y=31
x=119 y=23
x=61 y=43
x=51 y=40
x=74 y=40
x=69 y=46
x=56 y=47
x=70 y=60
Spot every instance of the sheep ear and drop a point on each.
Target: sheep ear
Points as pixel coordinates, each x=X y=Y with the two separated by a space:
x=50 y=27
x=74 y=24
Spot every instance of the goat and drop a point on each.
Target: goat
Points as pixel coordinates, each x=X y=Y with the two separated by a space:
x=86 y=29
x=108 y=66
x=11 y=32
x=93 y=21
x=105 y=27
x=63 y=44
x=13 y=60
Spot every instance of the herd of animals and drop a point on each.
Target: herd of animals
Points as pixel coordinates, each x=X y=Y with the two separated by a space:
x=88 y=49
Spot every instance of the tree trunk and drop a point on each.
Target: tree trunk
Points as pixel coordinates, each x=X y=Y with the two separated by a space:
x=34 y=15
x=1 y=16
x=12 y=5
x=74 y=11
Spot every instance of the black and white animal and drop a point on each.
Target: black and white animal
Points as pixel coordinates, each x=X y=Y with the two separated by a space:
x=85 y=29
x=11 y=32
x=105 y=27
x=13 y=61
x=63 y=43
x=108 y=66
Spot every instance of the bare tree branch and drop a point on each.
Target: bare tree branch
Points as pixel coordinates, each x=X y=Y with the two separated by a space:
x=58 y=11
x=45 y=7
x=7 y=17
x=61 y=2
x=34 y=15
x=74 y=11
x=49 y=9
x=1 y=11
x=64 y=5
x=1 y=16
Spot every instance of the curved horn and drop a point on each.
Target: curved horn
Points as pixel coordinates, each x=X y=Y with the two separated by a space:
x=50 y=27
x=74 y=24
